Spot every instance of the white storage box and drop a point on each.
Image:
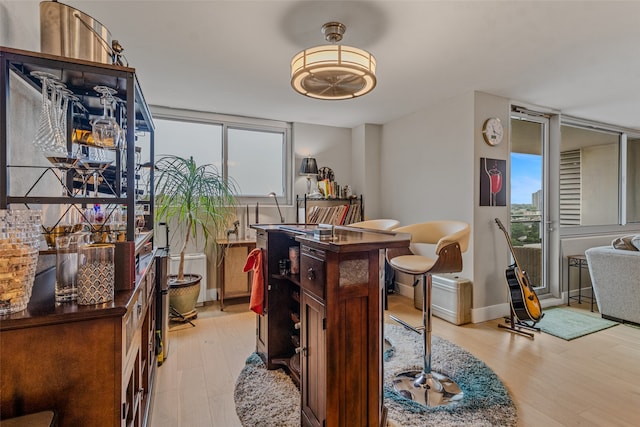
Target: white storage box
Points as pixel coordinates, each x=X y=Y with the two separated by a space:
x=451 y=298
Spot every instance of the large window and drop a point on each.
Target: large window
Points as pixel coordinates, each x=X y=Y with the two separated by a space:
x=597 y=185
x=633 y=179
x=255 y=154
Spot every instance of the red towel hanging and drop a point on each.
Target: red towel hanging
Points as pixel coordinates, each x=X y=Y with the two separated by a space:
x=254 y=262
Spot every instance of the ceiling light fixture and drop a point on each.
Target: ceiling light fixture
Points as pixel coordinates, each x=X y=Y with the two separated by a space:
x=333 y=71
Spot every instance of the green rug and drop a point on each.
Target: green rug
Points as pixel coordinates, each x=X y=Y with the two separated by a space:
x=570 y=324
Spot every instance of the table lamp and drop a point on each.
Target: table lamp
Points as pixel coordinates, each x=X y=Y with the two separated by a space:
x=309 y=168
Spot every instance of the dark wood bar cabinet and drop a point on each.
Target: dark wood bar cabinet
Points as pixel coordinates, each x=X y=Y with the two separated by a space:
x=92 y=365
x=323 y=323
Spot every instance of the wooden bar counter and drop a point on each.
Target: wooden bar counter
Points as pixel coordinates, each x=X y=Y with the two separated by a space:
x=323 y=321
x=93 y=365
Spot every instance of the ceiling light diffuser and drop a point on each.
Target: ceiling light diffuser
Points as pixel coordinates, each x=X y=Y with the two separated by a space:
x=333 y=71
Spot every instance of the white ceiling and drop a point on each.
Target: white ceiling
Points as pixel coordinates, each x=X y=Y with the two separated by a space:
x=579 y=57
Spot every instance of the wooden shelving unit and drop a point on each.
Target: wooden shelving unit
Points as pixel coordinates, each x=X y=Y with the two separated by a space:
x=335 y=211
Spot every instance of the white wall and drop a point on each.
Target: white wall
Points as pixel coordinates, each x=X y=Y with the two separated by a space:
x=426 y=170
x=491 y=253
x=599 y=175
x=430 y=162
x=366 y=144
x=330 y=146
x=20 y=24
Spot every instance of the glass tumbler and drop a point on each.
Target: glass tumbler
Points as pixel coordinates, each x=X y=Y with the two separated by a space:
x=66 y=288
x=96 y=273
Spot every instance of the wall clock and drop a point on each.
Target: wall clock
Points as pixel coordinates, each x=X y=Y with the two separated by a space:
x=492 y=131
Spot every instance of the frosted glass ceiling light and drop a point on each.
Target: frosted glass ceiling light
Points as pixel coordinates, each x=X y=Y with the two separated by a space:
x=333 y=71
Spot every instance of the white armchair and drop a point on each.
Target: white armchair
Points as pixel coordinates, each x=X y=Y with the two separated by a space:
x=615 y=275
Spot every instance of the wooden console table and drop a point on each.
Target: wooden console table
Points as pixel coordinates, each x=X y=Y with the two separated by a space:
x=324 y=325
x=232 y=281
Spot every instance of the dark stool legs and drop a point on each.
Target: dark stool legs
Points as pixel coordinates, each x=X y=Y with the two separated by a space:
x=427 y=387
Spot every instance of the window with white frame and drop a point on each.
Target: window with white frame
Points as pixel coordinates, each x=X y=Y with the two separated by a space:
x=254 y=154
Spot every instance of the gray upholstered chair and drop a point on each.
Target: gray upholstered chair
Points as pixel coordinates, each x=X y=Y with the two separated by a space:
x=436 y=247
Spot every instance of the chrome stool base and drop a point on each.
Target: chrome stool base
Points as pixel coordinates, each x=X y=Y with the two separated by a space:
x=429 y=390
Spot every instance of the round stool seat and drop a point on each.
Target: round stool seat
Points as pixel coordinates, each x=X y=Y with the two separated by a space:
x=412 y=264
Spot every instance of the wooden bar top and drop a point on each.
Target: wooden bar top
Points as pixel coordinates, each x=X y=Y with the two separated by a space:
x=344 y=238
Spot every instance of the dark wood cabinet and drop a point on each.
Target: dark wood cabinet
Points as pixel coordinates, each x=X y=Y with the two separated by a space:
x=338 y=296
x=313 y=360
x=92 y=365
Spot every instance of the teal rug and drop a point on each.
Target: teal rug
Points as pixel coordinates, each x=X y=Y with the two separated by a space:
x=486 y=403
x=571 y=324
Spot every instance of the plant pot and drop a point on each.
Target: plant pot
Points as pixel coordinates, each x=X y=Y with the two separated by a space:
x=184 y=295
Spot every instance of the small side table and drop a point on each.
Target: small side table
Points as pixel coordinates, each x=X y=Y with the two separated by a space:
x=579 y=262
x=234 y=284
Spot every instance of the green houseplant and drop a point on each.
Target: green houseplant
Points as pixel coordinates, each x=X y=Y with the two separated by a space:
x=201 y=202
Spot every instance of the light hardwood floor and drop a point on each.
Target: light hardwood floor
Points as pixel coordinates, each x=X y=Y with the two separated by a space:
x=591 y=381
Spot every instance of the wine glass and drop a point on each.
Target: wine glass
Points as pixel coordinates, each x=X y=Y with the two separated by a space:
x=92 y=164
x=59 y=102
x=51 y=137
x=45 y=133
x=106 y=130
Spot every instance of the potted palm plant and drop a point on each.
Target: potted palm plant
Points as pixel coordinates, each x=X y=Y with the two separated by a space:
x=201 y=202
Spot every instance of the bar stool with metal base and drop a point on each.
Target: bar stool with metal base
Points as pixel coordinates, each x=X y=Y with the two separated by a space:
x=450 y=239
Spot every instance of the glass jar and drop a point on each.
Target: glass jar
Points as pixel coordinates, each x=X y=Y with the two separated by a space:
x=19 y=245
x=96 y=273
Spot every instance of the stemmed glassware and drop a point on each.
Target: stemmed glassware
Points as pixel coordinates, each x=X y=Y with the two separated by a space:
x=92 y=165
x=51 y=136
x=106 y=130
x=45 y=133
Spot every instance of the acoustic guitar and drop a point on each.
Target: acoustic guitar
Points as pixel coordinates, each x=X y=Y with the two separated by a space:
x=524 y=301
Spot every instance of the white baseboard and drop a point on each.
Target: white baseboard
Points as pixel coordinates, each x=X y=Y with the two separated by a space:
x=501 y=310
x=485 y=314
x=212 y=295
x=404 y=290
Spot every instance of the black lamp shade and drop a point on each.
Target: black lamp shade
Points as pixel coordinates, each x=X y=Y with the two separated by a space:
x=309 y=166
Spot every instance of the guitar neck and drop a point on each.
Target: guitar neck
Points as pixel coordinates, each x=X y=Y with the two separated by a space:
x=506 y=236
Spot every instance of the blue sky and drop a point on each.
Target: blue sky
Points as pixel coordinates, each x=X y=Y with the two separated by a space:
x=526 y=176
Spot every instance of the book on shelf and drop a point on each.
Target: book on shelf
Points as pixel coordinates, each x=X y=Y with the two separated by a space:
x=335 y=215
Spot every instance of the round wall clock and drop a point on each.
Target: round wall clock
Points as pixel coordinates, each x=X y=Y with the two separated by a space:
x=492 y=131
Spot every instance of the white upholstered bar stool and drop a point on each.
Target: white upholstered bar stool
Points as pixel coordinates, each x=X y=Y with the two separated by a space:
x=436 y=247
x=383 y=225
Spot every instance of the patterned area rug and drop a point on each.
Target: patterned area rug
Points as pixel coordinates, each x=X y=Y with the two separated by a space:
x=269 y=398
x=571 y=324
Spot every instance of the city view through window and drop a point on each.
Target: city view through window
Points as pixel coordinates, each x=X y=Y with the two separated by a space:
x=526 y=198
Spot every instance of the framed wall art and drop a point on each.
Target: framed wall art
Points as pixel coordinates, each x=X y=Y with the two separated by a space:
x=492 y=186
